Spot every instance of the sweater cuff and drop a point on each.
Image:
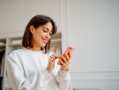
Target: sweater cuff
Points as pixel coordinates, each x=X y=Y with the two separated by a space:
x=47 y=75
x=63 y=73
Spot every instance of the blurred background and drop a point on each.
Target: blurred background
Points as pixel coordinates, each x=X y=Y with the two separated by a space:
x=91 y=26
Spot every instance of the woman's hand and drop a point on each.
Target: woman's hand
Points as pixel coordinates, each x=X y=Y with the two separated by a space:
x=65 y=62
x=51 y=63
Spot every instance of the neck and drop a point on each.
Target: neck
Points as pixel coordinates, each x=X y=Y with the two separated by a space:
x=35 y=48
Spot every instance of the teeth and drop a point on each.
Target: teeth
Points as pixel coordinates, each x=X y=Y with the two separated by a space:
x=45 y=40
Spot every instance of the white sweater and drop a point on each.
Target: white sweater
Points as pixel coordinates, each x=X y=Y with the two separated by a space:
x=26 y=70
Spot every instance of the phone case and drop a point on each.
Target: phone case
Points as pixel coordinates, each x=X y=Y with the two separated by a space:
x=69 y=49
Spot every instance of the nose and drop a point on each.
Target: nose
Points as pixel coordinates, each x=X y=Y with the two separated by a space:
x=48 y=36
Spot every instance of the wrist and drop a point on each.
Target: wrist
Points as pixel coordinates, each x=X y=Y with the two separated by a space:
x=47 y=70
x=63 y=73
x=64 y=68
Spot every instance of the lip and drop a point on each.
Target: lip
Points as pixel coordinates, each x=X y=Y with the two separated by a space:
x=45 y=40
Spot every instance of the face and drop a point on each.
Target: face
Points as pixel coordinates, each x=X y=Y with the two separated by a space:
x=41 y=35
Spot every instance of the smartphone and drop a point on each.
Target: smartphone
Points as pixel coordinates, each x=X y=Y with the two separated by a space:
x=69 y=49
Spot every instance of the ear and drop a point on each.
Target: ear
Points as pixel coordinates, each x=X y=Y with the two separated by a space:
x=32 y=29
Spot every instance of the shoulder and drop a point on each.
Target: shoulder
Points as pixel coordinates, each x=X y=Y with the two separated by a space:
x=13 y=55
x=15 y=52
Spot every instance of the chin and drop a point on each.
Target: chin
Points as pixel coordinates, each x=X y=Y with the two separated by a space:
x=43 y=45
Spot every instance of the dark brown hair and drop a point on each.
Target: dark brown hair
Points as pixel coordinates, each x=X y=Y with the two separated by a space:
x=37 y=21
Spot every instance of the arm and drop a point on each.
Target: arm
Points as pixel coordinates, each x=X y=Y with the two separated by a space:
x=19 y=82
x=63 y=77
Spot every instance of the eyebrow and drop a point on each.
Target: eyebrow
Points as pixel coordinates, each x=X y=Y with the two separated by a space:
x=47 y=28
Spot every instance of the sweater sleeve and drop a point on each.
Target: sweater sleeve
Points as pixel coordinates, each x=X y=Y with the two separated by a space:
x=18 y=80
x=63 y=79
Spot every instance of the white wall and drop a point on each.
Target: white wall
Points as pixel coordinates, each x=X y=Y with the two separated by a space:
x=94 y=31
x=15 y=14
x=92 y=27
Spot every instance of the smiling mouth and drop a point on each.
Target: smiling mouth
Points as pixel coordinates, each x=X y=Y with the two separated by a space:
x=45 y=41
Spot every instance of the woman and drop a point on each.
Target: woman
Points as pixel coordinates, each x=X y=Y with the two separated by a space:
x=34 y=67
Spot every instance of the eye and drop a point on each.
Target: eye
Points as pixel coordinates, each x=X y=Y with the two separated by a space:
x=44 y=31
x=50 y=34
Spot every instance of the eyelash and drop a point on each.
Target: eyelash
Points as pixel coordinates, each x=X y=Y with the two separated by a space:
x=46 y=31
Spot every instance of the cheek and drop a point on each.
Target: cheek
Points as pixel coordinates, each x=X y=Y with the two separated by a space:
x=37 y=37
x=39 y=33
